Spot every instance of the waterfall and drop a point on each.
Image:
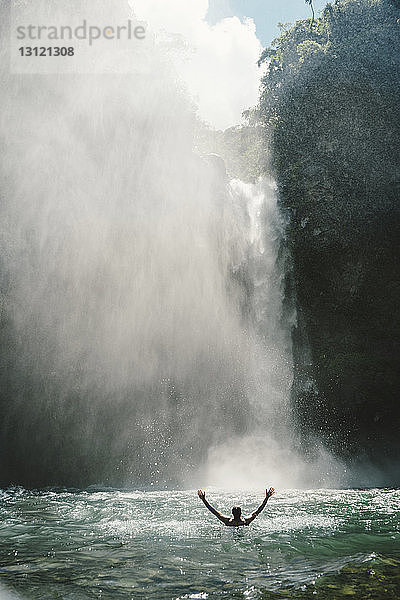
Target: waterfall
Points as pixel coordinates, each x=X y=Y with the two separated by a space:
x=142 y=339
x=267 y=447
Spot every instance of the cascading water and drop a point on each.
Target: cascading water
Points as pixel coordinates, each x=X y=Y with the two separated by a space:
x=257 y=269
x=142 y=339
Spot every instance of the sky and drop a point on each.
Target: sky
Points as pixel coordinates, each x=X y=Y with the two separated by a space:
x=265 y=13
x=224 y=39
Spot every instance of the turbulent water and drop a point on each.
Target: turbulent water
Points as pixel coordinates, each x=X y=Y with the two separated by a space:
x=166 y=545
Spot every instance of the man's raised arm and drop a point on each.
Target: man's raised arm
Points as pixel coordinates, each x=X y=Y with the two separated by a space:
x=202 y=496
x=268 y=494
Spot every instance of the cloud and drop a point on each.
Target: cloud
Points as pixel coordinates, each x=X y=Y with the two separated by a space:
x=174 y=16
x=217 y=63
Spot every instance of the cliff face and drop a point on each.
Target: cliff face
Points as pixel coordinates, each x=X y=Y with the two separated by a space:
x=337 y=159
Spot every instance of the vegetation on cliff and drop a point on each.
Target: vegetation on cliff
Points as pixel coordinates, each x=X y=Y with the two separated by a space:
x=329 y=101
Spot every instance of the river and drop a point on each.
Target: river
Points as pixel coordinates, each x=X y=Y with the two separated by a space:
x=164 y=545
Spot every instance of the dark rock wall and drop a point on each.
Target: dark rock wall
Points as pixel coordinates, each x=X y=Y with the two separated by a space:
x=337 y=160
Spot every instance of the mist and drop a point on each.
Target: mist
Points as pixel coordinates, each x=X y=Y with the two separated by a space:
x=144 y=336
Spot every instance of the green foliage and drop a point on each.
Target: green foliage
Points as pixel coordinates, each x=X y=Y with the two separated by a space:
x=309 y=50
x=351 y=33
x=243 y=148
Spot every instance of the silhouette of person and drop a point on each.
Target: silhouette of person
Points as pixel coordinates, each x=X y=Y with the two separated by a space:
x=237 y=520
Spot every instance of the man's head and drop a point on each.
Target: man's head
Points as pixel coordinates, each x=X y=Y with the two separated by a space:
x=236 y=511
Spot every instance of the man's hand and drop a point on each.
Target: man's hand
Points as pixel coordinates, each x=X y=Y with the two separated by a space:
x=201 y=494
x=269 y=492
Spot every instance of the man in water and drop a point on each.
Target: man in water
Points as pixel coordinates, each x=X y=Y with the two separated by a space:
x=237 y=520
